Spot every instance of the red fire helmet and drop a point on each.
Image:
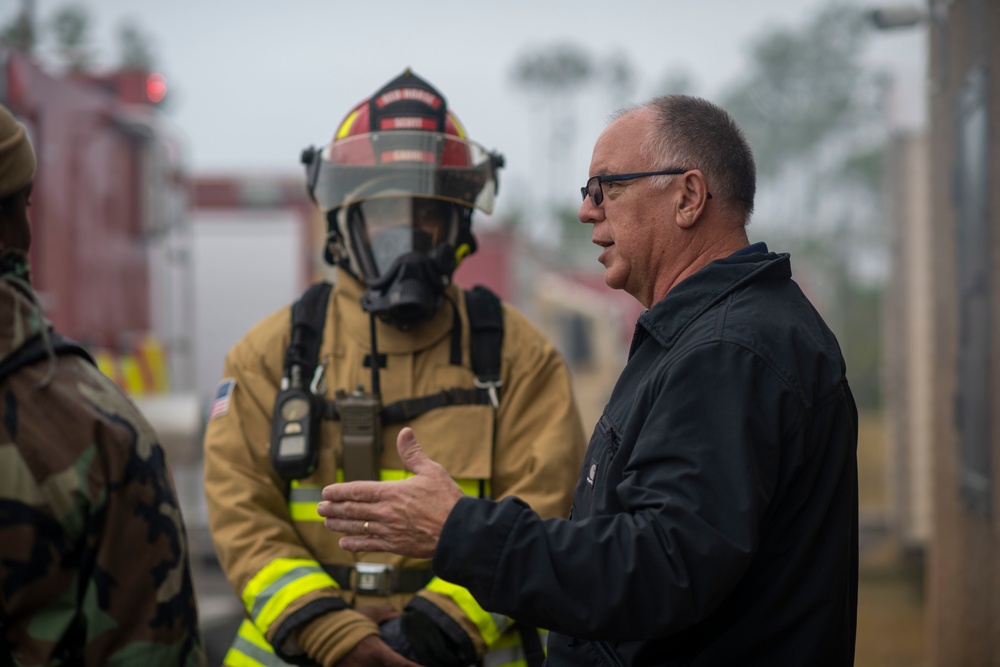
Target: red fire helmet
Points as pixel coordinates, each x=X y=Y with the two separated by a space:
x=403 y=141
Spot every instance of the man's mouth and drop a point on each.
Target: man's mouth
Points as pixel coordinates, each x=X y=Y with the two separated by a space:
x=606 y=245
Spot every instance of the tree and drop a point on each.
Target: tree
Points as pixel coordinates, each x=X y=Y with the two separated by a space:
x=619 y=77
x=20 y=33
x=134 y=49
x=676 y=82
x=804 y=87
x=811 y=109
x=560 y=68
x=554 y=76
x=71 y=25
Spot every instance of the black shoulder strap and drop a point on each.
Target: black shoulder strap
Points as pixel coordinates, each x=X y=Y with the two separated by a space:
x=531 y=644
x=308 y=320
x=486 y=339
x=486 y=325
x=36 y=350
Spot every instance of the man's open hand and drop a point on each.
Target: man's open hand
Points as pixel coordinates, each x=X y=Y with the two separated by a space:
x=404 y=517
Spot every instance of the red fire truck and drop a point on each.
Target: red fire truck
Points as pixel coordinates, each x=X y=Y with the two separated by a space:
x=109 y=246
x=108 y=205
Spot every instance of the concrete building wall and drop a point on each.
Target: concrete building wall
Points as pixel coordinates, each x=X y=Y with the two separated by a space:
x=909 y=342
x=964 y=573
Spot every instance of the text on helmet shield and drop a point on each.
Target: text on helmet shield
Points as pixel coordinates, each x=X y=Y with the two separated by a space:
x=430 y=99
x=408 y=123
x=407 y=156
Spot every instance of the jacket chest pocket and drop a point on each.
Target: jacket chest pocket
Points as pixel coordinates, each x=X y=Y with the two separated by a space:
x=459 y=437
x=593 y=491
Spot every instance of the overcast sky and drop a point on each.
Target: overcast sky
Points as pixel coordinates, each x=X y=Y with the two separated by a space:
x=252 y=82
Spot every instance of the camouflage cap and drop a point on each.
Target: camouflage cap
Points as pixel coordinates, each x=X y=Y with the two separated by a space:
x=17 y=158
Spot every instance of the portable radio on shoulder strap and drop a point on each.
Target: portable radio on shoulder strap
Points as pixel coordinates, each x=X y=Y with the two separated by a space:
x=299 y=405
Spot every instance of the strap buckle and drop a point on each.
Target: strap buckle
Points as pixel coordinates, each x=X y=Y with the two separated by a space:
x=373 y=579
x=318 y=384
x=491 y=387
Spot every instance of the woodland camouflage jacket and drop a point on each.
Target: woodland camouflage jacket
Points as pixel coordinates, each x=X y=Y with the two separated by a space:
x=93 y=555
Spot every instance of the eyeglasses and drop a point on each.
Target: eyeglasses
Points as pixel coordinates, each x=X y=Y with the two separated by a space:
x=595 y=189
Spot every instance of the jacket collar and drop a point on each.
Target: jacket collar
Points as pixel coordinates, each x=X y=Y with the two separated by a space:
x=670 y=316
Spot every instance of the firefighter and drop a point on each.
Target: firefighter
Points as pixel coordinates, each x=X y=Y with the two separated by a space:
x=317 y=392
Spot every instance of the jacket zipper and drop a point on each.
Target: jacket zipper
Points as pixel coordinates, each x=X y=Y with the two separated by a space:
x=609 y=654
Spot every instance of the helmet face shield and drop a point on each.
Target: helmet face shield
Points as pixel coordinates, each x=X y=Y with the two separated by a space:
x=419 y=164
x=385 y=229
x=398 y=184
x=403 y=249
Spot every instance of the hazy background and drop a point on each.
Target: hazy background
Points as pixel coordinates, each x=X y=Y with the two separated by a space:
x=821 y=93
x=252 y=82
x=819 y=90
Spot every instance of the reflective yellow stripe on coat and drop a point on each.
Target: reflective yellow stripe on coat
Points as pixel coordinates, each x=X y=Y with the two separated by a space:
x=303 y=498
x=266 y=596
x=503 y=642
x=504 y=647
x=278 y=584
x=250 y=649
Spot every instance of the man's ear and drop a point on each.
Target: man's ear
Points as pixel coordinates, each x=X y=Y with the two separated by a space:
x=694 y=195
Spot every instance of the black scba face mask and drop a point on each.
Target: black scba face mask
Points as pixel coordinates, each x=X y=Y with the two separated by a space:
x=405 y=252
x=412 y=289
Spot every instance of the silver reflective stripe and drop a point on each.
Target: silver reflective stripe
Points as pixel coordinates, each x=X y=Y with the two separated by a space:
x=305 y=494
x=508 y=651
x=502 y=622
x=504 y=657
x=265 y=595
x=254 y=652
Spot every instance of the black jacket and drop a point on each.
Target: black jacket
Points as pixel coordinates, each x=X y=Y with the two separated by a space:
x=715 y=520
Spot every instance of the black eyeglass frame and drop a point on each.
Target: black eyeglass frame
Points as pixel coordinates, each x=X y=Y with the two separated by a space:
x=606 y=178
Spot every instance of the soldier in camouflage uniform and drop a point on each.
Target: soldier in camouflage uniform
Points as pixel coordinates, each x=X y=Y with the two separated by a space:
x=93 y=556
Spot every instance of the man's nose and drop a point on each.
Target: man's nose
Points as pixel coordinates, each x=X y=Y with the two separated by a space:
x=589 y=213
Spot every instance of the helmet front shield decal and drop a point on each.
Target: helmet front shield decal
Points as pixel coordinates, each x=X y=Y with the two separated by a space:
x=419 y=164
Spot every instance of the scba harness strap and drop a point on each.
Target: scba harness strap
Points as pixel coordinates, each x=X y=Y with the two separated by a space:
x=485 y=313
x=486 y=338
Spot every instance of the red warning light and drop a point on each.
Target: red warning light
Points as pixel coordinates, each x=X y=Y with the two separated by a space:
x=156 y=88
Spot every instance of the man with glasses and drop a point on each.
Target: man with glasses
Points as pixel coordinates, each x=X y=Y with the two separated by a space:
x=715 y=520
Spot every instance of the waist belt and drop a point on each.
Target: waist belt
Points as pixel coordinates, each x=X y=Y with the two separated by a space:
x=379 y=579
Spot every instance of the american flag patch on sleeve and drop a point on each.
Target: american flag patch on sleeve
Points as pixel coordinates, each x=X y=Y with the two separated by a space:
x=220 y=405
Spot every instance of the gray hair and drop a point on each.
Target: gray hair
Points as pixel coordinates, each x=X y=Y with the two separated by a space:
x=693 y=133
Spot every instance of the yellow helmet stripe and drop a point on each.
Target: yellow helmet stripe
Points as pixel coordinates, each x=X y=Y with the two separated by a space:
x=458 y=125
x=345 y=127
